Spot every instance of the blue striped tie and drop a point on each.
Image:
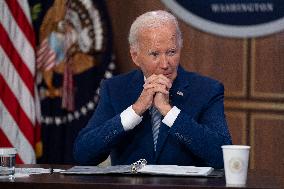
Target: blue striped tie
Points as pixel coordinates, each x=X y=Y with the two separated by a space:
x=156 y=121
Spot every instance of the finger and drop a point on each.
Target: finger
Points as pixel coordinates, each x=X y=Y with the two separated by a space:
x=159 y=79
x=161 y=89
x=154 y=85
x=157 y=82
x=163 y=80
x=153 y=88
x=151 y=78
x=163 y=77
x=149 y=85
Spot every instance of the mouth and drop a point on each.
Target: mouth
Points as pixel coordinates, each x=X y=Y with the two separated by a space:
x=168 y=75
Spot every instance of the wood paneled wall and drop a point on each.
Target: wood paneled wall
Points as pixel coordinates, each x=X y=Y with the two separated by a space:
x=252 y=71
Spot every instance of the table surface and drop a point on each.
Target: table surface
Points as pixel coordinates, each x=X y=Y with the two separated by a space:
x=261 y=180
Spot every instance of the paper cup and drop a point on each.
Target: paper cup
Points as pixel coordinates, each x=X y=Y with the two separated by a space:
x=7 y=162
x=236 y=159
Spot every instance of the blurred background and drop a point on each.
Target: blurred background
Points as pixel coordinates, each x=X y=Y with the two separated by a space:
x=251 y=67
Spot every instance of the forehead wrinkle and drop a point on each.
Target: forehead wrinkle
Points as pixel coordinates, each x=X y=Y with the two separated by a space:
x=153 y=38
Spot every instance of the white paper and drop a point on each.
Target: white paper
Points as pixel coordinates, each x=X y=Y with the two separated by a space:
x=31 y=171
x=147 y=169
x=98 y=170
x=176 y=170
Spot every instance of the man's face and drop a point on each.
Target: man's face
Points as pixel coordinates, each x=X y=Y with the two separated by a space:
x=158 y=51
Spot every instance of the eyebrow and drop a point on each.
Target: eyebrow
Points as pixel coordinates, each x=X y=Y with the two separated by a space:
x=152 y=51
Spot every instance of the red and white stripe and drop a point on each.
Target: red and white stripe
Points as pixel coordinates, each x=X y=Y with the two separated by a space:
x=45 y=56
x=18 y=110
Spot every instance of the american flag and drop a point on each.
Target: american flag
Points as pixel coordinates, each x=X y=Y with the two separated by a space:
x=45 y=56
x=19 y=110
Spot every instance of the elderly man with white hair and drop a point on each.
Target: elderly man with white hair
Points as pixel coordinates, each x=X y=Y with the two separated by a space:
x=159 y=112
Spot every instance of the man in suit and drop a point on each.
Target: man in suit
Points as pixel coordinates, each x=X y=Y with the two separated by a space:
x=159 y=112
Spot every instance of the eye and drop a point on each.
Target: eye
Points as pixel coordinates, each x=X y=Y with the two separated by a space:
x=172 y=52
x=154 y=54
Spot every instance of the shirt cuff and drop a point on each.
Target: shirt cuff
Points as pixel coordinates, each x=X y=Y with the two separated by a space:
x=129 y=119
x=171 y=116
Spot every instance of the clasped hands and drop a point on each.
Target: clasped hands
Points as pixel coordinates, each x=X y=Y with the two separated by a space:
x=155 y=93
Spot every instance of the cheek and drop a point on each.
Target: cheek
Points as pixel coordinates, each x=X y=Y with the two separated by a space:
x=151 y=67
x=175 y=61
x=148 y=68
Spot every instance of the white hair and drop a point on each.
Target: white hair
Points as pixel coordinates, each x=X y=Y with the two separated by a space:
x=152 y=19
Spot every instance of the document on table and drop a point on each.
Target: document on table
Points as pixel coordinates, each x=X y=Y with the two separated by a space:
x=98 y=170
x=176 y=170
x=173 y=170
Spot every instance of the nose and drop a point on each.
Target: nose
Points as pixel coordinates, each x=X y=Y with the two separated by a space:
x=164 y=62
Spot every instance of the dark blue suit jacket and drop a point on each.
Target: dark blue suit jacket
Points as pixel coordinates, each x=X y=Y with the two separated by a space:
x=194 y=139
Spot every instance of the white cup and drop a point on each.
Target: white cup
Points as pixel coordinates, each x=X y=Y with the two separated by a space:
x=7 y=161
x=236 y=159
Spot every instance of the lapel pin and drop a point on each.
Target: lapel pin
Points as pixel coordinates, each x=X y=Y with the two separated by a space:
x=180 y=93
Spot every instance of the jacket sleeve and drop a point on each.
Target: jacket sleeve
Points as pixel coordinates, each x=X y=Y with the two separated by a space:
x=93 y=143
x=205 y=135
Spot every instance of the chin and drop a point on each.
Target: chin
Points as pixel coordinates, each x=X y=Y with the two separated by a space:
x=171 y=76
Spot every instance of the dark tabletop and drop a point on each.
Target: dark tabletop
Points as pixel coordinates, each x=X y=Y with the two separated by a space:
x=261 y=180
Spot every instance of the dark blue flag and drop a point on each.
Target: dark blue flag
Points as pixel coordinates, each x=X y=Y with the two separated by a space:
x=74 y=54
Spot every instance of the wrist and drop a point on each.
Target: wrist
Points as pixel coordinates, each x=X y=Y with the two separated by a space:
x=137 y=109
x=165 y=109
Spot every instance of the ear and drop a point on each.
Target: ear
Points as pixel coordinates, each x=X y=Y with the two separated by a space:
x=134 y=55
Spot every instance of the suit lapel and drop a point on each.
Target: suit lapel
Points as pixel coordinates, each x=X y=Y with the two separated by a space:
x=178 y=95
x=179 y=91
x=148 y=141
x=134 y=87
